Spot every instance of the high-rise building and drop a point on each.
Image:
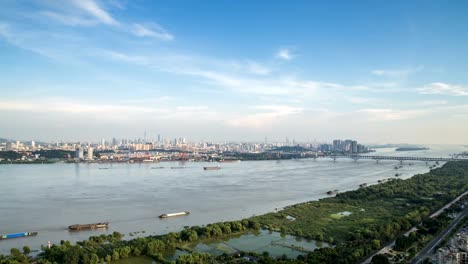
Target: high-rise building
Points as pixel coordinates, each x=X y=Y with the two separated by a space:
x=79 y=153
x=9 y=146
x=354 y=148
x=337 y=144
x=90 y=153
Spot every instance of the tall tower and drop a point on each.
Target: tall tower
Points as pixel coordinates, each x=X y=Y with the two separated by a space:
x=90 y=153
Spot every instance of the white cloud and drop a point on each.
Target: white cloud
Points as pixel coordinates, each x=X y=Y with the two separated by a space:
x=382 y=114
x=444 y=89
x=192 y=108
x=70 y=20
x=152 y=30
x=94 y=10
x=269 y=115
x=358 y=100
x=397 y=73
x=434 y=102
x=284 y=54
x=109 y=111
x=258 y=69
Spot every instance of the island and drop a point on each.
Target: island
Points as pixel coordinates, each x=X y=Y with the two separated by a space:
x=411 y=148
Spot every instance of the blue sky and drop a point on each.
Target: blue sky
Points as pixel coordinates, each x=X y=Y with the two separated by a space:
x=376 y=71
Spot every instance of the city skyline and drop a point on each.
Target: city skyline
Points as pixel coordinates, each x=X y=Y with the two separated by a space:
x=392 y=72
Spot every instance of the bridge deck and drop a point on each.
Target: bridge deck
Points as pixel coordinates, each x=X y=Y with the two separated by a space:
x=391 y=158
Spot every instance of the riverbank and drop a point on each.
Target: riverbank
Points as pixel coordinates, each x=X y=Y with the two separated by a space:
x=357 y=222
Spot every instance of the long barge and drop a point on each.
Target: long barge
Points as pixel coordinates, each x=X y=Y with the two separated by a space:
x=17 y=235
x=88 y=226
x=212 y=168
x=174 y=214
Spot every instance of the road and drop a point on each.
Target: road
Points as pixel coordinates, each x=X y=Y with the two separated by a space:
x=392 y=244
x=428 y=249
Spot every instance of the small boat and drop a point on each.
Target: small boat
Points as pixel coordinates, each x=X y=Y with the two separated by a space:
x=181 y=167
x=103 y=168
x=155 y=168
x=332 y=192
x=174 y=214
x=17 y=235
x=212 y=168
x=88 y=226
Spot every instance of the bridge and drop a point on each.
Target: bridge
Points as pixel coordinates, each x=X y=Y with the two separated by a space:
x=379 y=158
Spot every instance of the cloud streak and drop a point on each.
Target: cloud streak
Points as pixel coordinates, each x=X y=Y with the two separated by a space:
x=397 y=73
x=154 y=31
x=444 y=89
x=94 y=10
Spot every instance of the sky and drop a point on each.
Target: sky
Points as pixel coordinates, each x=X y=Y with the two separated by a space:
x=374 y=71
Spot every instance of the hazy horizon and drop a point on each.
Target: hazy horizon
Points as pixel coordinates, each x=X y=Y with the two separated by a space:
x=376 y=72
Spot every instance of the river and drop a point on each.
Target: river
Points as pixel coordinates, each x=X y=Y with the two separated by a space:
x=47 y=198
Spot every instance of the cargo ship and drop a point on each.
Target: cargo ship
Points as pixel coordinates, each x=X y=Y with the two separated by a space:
x=88 y=226
x=212 y=168
x=16 y=235
x=174 y=214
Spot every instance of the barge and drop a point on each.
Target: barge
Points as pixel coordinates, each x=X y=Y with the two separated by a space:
x=88 y=226
x=174 y=214
x=17 y=235
x=212 y=168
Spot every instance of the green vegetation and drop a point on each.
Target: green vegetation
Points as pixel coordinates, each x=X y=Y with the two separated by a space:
x=10 y=155
x=379 y=214
x=45 y=156
x=55 y=154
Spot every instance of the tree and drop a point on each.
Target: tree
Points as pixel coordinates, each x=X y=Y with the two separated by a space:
x=375 y=243
x=155 y=247
x=115 y=255
x=380 y=259
x=26 y=250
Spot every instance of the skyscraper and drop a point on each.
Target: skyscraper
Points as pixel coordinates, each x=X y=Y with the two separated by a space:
x=354 y=147
x=90 y=153
x=79 y=153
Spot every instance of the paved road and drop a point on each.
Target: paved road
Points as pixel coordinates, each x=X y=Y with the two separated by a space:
x=428 y=249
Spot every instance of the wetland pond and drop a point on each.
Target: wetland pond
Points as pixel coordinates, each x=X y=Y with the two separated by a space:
x=274 y=243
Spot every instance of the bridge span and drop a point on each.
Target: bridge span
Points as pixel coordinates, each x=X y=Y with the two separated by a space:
x=397 y=158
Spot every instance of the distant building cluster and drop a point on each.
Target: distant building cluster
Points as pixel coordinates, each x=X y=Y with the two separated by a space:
x=456 y=252
x=19 y=146
x=176 y=149
x=344 y=146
